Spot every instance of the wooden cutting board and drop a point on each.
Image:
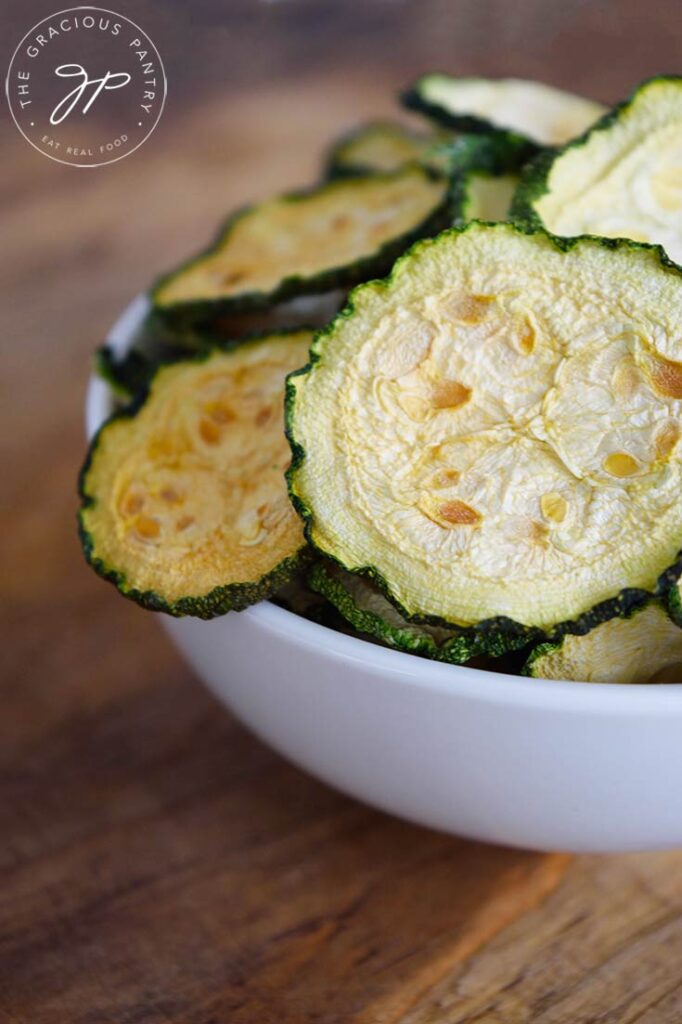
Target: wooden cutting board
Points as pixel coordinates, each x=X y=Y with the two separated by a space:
x=158 y=863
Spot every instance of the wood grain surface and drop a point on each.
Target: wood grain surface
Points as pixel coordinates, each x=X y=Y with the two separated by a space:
x=157 y=863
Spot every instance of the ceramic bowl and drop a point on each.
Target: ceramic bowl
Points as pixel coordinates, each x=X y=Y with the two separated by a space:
x=531 y=763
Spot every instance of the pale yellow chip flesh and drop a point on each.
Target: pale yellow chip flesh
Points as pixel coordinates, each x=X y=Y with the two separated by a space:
x=645 y=648
x=625 y=180
x=190 y=493
x=497 y=432
x=546 y=115
x=334 y=226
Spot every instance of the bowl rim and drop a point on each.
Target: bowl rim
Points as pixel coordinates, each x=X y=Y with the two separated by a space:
x=481 y=684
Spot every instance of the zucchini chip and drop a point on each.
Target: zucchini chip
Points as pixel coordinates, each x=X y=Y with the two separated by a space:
x=623 y=179
x=184 y=504
x=540 y=114
x=644 y=647
x=363 y=605
x=380 y=146
x=492 y=432
x=309 y=242
x=156 y=343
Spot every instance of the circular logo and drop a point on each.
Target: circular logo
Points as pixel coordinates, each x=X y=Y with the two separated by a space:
x=86 y=86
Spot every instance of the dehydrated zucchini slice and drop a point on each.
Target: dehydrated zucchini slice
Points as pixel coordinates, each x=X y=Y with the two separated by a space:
x=184 y=503
x=157 y=343
x=329 y=237
x=644 y=647
x=493 y=431
x=363 y=605
x=380 y=146
x=542 y=115
x=623 y=179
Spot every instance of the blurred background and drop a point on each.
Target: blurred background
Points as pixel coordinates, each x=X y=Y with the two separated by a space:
x=101 y=726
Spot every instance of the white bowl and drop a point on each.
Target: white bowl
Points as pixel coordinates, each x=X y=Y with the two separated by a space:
x=543 y=764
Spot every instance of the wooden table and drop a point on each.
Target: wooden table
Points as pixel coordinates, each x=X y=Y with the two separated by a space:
x=157 y=862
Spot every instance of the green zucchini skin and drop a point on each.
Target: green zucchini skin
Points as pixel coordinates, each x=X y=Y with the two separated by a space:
x=219 y=600
x=498 y=635
x=535 y=176
x=461 y=646
x=201 y=314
